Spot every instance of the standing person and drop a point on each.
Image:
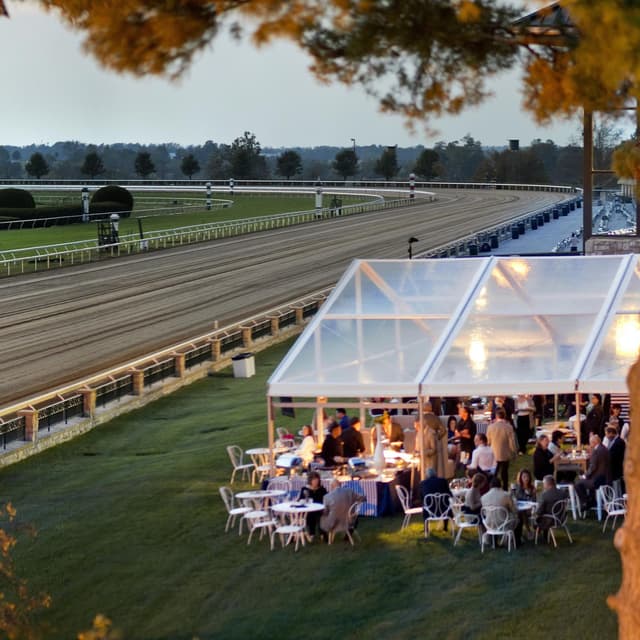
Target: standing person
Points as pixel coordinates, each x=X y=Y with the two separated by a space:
x=343 y=419
x=434 y=442
x=466 y=432
x=543 y=459
x=595 y=418
x=352 y=440
x=617 y=449
x=615 y=420
x=501 y=438
x=524 y=421
x=316 y=492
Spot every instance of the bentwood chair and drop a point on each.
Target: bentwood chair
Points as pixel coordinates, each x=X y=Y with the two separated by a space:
x=557 y=519
x=497 y=523
x=613 y=506
x=403 y=496
x=437 y=508
x=236 y=456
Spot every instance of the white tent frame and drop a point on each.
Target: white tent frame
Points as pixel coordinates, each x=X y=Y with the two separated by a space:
x=425 y=383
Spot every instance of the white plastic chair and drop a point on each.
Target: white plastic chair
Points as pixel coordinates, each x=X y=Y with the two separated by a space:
x=438 y=509
x=497 y=522
x=291 y=528
x=462 y=521
x=403 y=496
x=236 y=456
x=259 y=520
x=557 y=519
x=233 y=512
x=574 y=503
x=614 y=507
x=350 y=525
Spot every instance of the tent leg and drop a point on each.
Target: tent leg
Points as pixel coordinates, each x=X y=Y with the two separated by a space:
x=271 y=429
x=578 y=423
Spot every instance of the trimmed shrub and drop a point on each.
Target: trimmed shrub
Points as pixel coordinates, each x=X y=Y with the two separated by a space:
x=118 y=197
x=16 y=199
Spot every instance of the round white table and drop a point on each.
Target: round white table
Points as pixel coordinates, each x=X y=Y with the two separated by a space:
x=297 y=507
x=296 y=513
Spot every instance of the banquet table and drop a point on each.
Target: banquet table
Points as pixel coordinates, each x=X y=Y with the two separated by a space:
x=380 y=495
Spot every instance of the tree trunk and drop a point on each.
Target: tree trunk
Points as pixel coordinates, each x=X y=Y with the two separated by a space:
x=627 y=537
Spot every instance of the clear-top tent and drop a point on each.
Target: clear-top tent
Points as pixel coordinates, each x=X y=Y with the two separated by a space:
x=476 y=326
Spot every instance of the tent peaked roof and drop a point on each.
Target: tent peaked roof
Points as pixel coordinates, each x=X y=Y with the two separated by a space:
x=470 y=326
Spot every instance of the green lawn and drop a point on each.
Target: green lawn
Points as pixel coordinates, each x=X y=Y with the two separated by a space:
x=131 y=525
x=244 y=206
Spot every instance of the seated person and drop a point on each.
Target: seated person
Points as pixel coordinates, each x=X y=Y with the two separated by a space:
x=543 y=459
x=332 y=452
x=431 y=485
x=597 y=472
x=525 y=488
x=337 y=503
x=473 y=499
x=555 y=446
x=550 y=495
x=392 y=431
x=316 y=492
x=452 y=425
x=482 y=458
x=498 y=497
x=353 y=443
x=307 y=446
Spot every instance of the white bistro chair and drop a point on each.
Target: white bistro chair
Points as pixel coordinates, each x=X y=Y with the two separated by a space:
x=236 y=456
x=614 y=507
x=437 y=507
x=557 y=519
x=292 y=527
x=462 y=521
x=233 y=512
x=497 y=523
x=403 y=496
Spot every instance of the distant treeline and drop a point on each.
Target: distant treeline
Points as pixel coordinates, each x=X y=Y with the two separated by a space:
x=542 y=162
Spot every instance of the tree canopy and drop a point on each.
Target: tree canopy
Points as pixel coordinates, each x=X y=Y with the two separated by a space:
x=387 y=163
x=345 y=163
x=421 y=58
x=37 y=166
x=143 y=164
x=189 y=165
x=289 y=164
x=92 y=165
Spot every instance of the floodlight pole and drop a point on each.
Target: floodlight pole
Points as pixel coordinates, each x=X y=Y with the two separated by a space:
x=354 y=145
x=412 y=239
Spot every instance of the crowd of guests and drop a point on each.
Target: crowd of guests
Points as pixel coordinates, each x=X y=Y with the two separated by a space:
x=486 y=460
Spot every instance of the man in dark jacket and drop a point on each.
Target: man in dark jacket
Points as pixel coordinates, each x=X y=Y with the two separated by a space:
x=597 y=473
x=550 y=495
x=617 y=448
x=353 y=443
x=332 y=449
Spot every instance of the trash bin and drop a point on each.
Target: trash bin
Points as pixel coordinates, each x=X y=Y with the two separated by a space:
x=546 y=216
x=521 y=228
x=244 y=365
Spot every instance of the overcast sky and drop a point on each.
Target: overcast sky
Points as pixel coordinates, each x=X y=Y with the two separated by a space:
x=53 y=91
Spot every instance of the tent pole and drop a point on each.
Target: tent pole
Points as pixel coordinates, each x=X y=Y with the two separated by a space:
x=578 y=425
x=271 y=430
x=320 y=400
x=555 y=407
x=420 y=435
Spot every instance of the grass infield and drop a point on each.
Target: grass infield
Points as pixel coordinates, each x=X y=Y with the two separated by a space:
x=244 y=206
x=130 y=524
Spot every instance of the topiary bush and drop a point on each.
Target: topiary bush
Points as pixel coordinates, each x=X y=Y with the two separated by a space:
x=119 y=197
x=12 y=198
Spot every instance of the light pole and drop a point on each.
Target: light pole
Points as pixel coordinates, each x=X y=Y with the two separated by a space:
x=354 y=144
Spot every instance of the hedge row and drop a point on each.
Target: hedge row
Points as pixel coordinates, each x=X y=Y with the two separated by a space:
x=67 y=214
x=16 y=199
